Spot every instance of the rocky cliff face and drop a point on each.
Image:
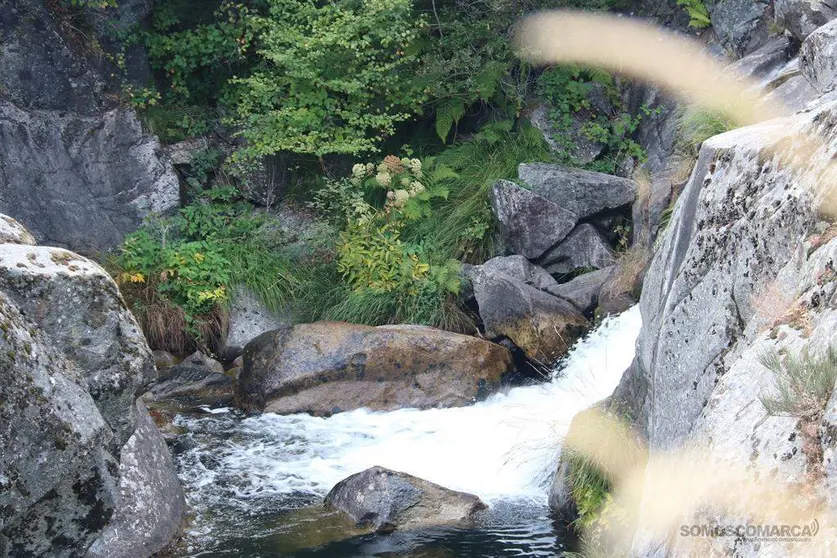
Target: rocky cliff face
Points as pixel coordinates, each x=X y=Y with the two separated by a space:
x=75 y=168
x=81 y=464
x=745 y=268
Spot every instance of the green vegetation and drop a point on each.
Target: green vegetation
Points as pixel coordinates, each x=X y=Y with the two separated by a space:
x=696 y=125
x=327 y=85
x=178 y=273
x=589 y=488
x=803 y=383
x=698 y=13
x=568 y=90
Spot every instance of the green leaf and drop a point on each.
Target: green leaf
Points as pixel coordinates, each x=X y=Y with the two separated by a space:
x=447 y=114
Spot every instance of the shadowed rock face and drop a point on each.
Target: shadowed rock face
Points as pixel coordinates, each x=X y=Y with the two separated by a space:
x=327 y=367
x=77 y=453
x=78 y=181
x=77 y=170
x=384 y=500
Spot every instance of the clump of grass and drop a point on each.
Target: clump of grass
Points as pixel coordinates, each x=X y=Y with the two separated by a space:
x=589 y=487
x=324 y=296
x=629 y=267
x=803 y=383
x=696 y=125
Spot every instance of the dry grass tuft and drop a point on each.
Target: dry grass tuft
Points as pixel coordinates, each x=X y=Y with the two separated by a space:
x=629 y=267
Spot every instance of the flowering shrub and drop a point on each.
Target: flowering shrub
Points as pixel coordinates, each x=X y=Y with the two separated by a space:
x=375 y=206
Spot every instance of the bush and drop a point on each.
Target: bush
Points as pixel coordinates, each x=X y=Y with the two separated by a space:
x=803 y=383
x=178 y=273
x=567 y=88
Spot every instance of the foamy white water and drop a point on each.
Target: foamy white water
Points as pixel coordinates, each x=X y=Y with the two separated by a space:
x=502 y=448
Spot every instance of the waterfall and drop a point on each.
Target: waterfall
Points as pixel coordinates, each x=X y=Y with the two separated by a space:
x=504 y=448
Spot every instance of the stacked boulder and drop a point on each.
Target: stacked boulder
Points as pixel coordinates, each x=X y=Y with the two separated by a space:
x=83 y=469
x=558 y=231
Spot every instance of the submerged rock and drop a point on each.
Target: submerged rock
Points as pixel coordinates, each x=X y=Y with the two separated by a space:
x=328 y=367
x=386 y=500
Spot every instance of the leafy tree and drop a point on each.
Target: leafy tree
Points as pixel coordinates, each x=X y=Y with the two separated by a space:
x=332 y=77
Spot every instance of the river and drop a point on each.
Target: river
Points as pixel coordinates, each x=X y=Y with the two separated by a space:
x=255 y=484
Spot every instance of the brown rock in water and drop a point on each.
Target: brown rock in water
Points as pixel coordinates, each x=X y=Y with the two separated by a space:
x=385 y=500
x=517 y=301
x=328 y=367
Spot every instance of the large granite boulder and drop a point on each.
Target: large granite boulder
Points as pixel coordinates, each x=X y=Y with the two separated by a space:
x=818 y=57
x=581 y=192
x=81 y=181
x=78 y=170
x=584 y=249
x=741 y=230
x=803 y=17
x=529 y=224
x=150 y=502
x=328 y=367
x=72 y=363
x=520 y=306
x=384 y=500
x=12 y=232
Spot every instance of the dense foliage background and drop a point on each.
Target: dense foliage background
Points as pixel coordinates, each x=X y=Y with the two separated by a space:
x=394 y=117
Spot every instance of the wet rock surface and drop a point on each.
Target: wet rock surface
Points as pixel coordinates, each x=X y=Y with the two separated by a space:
x=515 y=301
x=386 y=500
x=328 y=367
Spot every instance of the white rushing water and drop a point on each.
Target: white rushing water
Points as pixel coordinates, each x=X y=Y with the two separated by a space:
x=502 y=448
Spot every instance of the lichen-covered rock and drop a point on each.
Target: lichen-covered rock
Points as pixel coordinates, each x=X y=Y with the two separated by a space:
x=736 y=222
x=81 y=181
x=327 y=367
x=149 y=503
x=803 y=17
x=584 y=248
x=72 y=363
x=529 y=224
x=12 y=232
x=77 y=304
x=57 y=473
x=385 y=500
x=581 y=192
x=732 y=264
x=514 y=306
x=249 y=318
x=818 y=57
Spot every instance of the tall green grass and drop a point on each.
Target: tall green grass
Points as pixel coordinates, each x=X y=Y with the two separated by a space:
x=462 y=227
x=803 y=383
